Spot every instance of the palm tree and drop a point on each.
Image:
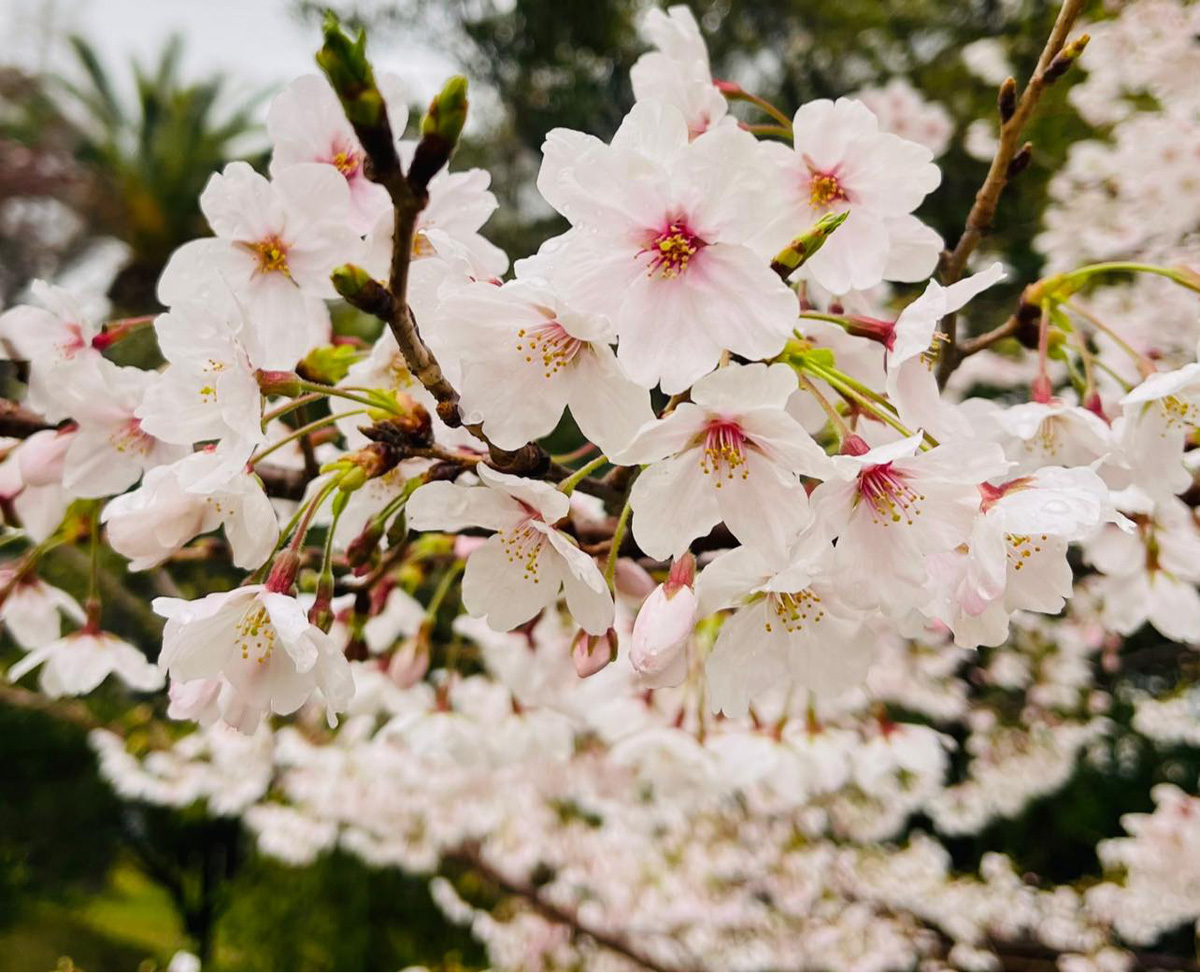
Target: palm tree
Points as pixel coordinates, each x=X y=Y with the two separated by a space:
x=143 y=164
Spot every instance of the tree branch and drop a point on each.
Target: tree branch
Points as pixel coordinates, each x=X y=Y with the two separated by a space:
x=1010 y=154
x=469 y=856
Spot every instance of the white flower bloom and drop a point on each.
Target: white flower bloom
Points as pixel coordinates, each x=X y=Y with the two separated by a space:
x=307 y=124
x=1017 y=554
x=525 y=356
x=33 y=610
x=843 y=162
x=732 y=454
x=1053 y=433
x=791 y=628
x=192 y=496
x=1151 y=576
x=521 y=569
x=911 y=384
x=275 y=246
x=1158 y=414
x=110 y=449
x=895 y=505
x=261 y=642
x=677 y=72
x=661 y=227
x=208 y=390
x=56 y=340
x=77 y=663
x=38 y=508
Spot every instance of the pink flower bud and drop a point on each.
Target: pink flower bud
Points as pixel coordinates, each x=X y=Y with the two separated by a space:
x=661 y=632
x=410 y=662
x=40 y=458
x=591 y=653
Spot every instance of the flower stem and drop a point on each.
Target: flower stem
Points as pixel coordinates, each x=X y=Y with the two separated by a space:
x=568 y=485
x=304 y=431
x=333 y=390
x=443 y=589
x=840 y=428
x=1144 y=364
x=610 y=569
x=287 y=407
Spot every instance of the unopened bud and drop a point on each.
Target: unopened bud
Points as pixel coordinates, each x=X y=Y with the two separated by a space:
x=328 y=364
x=440 y=129
x=631 y=579
x=345 y=64
x=272 y=382
x=1066 y=57
x=1020 y=161
x=447 y=112
x=1006 y=101
x=591 y=653
x=350 y=281
x=663 y=626
x=282 y=578
x=410 y=662
x=854 y=445
x=321 y=612
x=360 y=550
x=796 y=253
x=730 y=89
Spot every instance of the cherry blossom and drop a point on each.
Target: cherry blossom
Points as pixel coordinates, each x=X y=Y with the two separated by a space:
x=791 y=627
x=732 y=454
x=306 y=124
x=842 y=162
x=524 y=334
x=677 y=72
x=262 y=644
x=527 y=562
x=275 y=246
x=77 y=663
x=660 y=250
x=184 y=499
x=892 y=505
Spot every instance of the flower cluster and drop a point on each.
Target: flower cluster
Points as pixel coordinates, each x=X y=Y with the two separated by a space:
x=796 y=580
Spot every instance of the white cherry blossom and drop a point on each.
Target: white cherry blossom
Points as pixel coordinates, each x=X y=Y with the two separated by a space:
x=524 y=566
x=525 y=356
x=842 y=162
x=732 y=454
x=276 y=243
x=661 y=236
x=261 y=643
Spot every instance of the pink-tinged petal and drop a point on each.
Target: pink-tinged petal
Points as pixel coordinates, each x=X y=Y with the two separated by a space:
x=502 y=591
x=550 y=503
x=452 y=507
x=608 y=406
x=588 y=598
x=763 y=506
x=913 y=249
x=730 y=577
x=741 y=388
x=665 y=437
x=747 y=661
x=785 y=442
x=673 y=504
x=854 y=257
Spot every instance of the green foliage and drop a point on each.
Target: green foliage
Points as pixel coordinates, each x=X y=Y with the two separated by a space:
x=145 y=164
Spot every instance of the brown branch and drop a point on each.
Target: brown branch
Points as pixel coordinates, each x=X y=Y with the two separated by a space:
x=19 y=422
x=469 y=855
x=1015 y=114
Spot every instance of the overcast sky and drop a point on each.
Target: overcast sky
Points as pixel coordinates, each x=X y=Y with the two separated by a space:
x=255 y=42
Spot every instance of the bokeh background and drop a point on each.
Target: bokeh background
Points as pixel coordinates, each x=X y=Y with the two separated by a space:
x=113 y=113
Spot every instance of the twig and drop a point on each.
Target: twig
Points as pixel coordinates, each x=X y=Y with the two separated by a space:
x=470 y=856
x=1014 y=118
